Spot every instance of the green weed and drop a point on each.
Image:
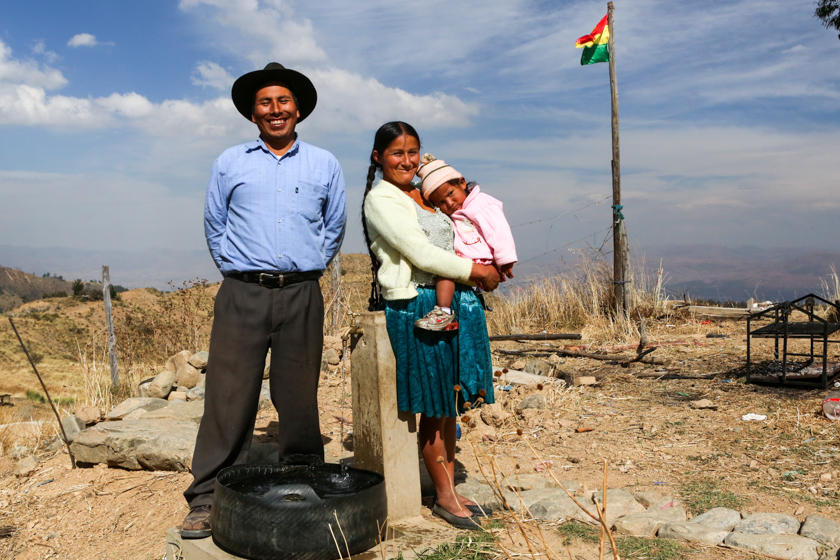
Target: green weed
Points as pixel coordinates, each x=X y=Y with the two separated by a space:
x=35 y=396
x=702 y=495
x=632 y=548
x=475 y=546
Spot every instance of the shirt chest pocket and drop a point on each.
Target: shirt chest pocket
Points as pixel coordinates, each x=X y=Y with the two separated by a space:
x=307 y=199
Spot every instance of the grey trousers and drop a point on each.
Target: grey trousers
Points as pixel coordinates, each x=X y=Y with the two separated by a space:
x=248 y=320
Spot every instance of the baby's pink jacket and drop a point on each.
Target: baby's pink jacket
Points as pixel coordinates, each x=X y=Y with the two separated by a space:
x=481 y=230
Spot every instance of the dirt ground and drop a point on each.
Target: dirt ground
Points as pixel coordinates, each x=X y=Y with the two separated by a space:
x=637 y=418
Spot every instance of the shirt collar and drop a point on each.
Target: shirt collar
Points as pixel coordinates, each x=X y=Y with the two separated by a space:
x=260 y=144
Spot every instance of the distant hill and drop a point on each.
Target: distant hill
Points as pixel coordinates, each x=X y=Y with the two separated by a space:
x=17 y=287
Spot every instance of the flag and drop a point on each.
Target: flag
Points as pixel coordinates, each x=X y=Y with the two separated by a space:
x=595 y=45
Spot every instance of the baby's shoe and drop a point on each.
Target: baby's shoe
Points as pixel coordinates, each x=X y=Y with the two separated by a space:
x=437 y=320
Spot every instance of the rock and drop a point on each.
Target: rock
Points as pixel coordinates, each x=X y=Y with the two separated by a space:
x=537 y=401
x=72 y=425
x=557 y=506
x=331 y=357
x=554 y=360
x=267 y=368
x=537 y=366
x=177 y=361
x=494 y=414
x=134 y=403
x=199 y=360
x=784 y=547
x=89 y=414
x=154 y=444
x=177 y=396
x=196 y=393
x=703 y=404
x=620 y=502
x=161 y=385
x=647 y=523
x=135 y=414
x=178 y=411
x=534 y=481
x=693 y=533
x=26 y=465
x=577 y=380
x=516 y=377
x=143 y=388
x=719 y=518
x=202 y=381
x=518 y=364
x=831 y=554
x=186 y=376
x=821 y=529
x=477 y=491
x=768 y=524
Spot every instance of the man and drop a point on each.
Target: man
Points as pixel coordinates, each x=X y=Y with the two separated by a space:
x=274 y=219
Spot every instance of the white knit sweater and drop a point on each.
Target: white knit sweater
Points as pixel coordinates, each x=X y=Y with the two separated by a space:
x=399 y=244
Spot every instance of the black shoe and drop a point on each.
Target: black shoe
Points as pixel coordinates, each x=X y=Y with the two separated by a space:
x=196 y=524
x=485 y=511
x=454 y=520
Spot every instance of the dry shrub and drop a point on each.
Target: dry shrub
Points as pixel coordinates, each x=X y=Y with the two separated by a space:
x=582 y=299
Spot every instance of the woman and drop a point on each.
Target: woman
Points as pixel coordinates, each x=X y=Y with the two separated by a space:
x=437 y=372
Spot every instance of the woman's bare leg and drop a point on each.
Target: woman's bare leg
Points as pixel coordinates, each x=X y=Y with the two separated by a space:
x=437 y=441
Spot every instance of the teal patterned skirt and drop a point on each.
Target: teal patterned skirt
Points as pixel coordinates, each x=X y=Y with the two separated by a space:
x=431 y=364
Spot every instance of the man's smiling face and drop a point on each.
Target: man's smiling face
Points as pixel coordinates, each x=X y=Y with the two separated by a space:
x=275 y=114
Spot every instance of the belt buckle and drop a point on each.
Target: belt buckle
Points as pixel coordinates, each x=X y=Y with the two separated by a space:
x=268 y=280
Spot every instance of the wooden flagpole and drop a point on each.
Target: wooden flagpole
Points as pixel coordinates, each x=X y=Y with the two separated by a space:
x=621 y=259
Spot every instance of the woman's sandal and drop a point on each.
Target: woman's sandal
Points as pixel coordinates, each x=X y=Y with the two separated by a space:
x=454 y=520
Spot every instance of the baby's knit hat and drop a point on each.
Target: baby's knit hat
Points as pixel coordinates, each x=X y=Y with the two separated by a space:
x=435 y=172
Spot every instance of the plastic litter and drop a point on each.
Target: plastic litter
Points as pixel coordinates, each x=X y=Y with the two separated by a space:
x=754 y=416
x=831 y=405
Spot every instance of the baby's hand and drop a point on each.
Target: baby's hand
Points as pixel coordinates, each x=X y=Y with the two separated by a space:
x=506 y=270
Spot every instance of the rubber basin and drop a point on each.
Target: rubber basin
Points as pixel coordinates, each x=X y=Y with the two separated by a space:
x=297 y=512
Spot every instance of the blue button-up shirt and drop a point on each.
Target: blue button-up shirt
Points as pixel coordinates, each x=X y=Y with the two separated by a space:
x=270 y=213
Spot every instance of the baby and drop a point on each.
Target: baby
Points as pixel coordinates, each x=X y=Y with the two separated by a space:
x=481 y=232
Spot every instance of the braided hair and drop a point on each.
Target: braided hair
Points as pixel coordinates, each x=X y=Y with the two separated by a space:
x=386 y=134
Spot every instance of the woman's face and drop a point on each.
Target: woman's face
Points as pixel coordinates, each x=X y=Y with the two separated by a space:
x=399 y=160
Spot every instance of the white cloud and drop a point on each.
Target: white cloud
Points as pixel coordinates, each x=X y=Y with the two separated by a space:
x=13 y=72
x=212 y=75
x=82 y=40
x=40 y=48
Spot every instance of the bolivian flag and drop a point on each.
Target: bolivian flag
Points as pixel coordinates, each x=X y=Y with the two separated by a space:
x=594 y=45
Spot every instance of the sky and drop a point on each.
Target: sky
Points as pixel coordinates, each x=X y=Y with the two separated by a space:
x=111 y=114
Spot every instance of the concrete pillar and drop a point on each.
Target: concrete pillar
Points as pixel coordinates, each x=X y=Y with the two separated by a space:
x=384 y=439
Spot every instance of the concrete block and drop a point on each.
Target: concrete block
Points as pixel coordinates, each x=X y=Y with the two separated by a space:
x=384 y=439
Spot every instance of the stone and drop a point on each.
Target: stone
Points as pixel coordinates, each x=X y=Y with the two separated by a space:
x=830 y=554
x=581 y=380
x=518 y=364
x=89 y=414
x=702 y=404
x=719 y=518
x=143 y=388
x=265 y=395
x=154 y=444
x=186 y=376
x=178 y=411
x=515 y=377
x=267 y=368
x=134 y=403
x=783 y=547
x=537 y=366
x=554 y=360
x=202 y=381
x=196 y=393
x=479 y=492
x=558 y=507
x=647 y=523
x=72 y=425
x=161 y=385
x=26 y=465
x=199 y=360
x=494 y=414
x=331 y=357
x=768 y=524
x=177 y=396
x=176 y=361
x=821 y=529
x=693 y=533
x=537 y=401
x=533 y=481
x=620 y=502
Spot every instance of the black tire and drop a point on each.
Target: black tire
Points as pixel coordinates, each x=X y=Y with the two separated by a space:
x=265 y=512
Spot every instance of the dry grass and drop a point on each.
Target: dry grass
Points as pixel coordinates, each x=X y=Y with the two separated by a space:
x=583 y=299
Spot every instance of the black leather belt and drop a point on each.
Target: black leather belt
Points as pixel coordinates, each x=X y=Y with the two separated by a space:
x=275 y=279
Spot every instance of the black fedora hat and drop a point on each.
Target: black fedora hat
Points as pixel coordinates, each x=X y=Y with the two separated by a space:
x=246 y=86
